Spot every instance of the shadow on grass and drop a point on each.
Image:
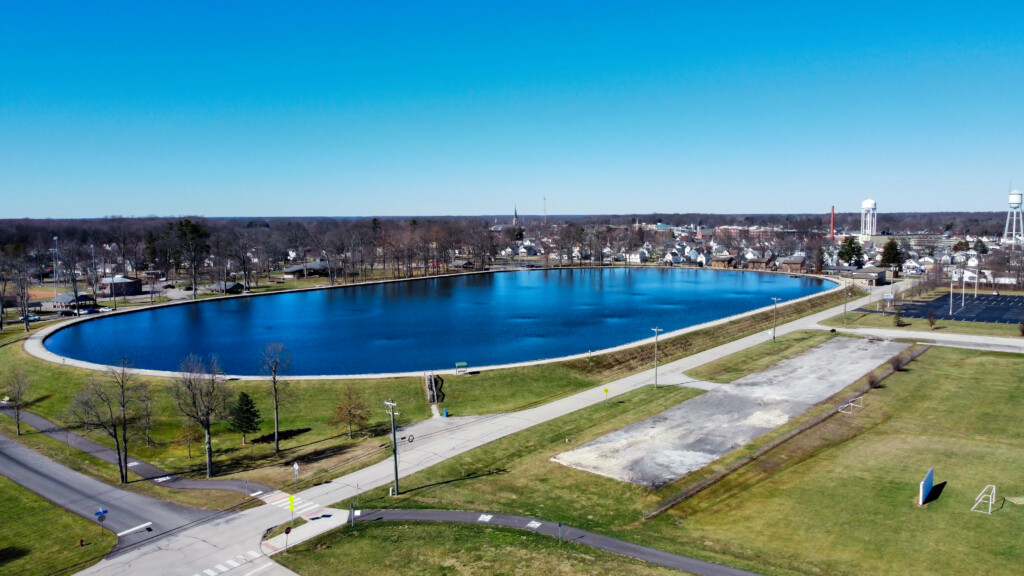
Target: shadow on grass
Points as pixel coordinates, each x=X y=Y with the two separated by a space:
x=12 y=553
x=495 y=472
x=282 y=435
x=935 y=493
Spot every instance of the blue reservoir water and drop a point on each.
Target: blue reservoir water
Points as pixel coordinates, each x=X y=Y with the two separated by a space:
x=482 y=319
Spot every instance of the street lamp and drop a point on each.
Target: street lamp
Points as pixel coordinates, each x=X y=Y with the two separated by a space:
x=394 y=437
x=54 y=266
x=775 y=313
x=656 y=332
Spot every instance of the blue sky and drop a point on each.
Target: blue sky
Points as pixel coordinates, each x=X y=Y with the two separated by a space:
x=435 y=108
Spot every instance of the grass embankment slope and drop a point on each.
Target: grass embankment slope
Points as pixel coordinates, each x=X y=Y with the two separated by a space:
x=838 y=499
x=876 y=320
x=37 y=537
x=759 y=357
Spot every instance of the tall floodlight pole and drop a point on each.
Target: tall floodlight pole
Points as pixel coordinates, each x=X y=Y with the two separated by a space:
x=394 y=438
x=54 y=266
x=92 y=248
x=775 y=313
x=951 y=293
x=656 y=332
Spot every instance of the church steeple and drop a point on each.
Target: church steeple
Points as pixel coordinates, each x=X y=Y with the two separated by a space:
x=515 y=216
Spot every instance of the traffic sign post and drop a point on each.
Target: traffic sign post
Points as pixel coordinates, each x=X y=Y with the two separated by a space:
x=291 y=506
x=101 y=515
x=606 y=394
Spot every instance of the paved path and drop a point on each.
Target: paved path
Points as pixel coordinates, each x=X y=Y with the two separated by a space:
x=145 y=470
x=553 y=529
x=448 y=437
x=149 y=517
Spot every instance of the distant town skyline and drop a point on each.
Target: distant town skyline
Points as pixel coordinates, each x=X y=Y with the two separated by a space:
x=459 y=108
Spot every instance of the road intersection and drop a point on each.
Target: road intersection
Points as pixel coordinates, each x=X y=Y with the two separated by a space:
x=220 y=545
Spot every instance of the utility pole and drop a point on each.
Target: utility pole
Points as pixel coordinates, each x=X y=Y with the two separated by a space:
x=55 y=275
x=394 y=437
x=656 y=331
x=951 y=293
x=775 y=313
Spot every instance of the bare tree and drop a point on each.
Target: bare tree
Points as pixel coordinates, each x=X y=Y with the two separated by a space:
x=350 y=411
x=274 y=361
x=110 y=406
x=146 y=411
x=191 y=248
x=17 y=387
x=202 y=398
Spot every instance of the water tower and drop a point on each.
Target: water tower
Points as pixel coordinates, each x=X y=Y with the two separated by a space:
x=1014 y=222
x=868 y=218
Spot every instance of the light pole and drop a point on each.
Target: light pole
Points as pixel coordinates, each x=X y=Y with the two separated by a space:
x=951 y=293
x=394 y=438
x=775 y=313
x=656 y=332
x=92 y=248
x=54 y=266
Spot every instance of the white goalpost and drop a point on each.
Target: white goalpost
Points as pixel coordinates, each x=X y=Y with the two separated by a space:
x=987 y=496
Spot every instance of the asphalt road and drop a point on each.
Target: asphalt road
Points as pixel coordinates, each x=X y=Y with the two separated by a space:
x=85 y=496
x=553 y=529
x=145 y=470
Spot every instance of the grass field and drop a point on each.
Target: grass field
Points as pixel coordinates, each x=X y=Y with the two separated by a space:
x=875 y=320
x=839 y=499
x=759 y=357
x=37 y=537
x=399 y=549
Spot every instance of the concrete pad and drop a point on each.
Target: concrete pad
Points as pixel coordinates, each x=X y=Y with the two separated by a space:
x=687 y=437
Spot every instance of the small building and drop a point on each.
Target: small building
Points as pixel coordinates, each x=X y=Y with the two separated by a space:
x=760 y=263
x=867 y=276
x=722 y=261
x=226 y=287
x=793 y=265
x=120 y=286
x=67 y=300
x=316 y=267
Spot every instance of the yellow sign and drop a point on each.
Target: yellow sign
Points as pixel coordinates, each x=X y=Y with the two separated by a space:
x=291 y=503
x=605 y=390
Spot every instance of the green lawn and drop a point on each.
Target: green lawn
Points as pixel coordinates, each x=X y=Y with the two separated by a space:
x=759 y=357
x=849 y=509
x=399 y=549
x=37 y=537
x=512 y=389
x=876 y=320
x=838 y=499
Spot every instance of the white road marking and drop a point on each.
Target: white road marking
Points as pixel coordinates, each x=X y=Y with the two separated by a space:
x=254 y=553
x=255 y=494
x=267 y=565
x=210 y=572
x=132 y=464
x=130 y=530
x=221 y=567
x=231 y=563
x=533 y=525
x=485 y=518
x=162 y=479
x=307 y=508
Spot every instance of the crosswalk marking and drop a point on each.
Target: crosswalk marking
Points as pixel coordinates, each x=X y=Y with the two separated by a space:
x=253 y=553
x=221 y=567
x=231 y=563
x=485 y=518
x=210 y=572
x=533 y=525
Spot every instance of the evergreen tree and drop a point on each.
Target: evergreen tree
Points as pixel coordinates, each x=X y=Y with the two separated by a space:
x=980 y=247
x=851 y=252
x=891 y=255
x=244 y=417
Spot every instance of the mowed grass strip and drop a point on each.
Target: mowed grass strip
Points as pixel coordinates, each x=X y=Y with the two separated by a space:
x=400 y=549
x=840 y=499
x=306 y=436
x=515 y=474
x=760 y=357
x=856 y=319
x=39 y=537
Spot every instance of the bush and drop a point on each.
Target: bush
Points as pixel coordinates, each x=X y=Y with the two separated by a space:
x=873 y=380
x=1020 y=327
x=896 y=362
x=931 y=319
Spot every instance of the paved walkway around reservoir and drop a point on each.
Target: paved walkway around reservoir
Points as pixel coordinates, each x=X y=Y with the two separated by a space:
x=197 y=549
x=145 y=470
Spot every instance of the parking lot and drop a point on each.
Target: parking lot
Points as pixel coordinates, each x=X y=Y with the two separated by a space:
x=983 y=308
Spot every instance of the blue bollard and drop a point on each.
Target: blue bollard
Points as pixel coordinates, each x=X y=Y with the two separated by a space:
x=445 y=412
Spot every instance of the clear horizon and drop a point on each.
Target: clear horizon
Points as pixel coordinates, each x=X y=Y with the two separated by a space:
x=409 y=109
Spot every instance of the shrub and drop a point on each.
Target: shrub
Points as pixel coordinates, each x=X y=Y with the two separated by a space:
x=896 y=362
x=873 y=380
